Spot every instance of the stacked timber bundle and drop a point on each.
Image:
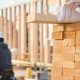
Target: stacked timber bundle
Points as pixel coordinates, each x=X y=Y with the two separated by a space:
x=66 y=52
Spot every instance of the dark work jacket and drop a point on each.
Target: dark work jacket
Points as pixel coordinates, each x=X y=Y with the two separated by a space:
x=5 y=57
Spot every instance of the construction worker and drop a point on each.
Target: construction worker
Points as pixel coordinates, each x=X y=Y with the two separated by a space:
x=6 y=70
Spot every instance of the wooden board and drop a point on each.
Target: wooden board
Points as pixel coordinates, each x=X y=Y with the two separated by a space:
x=69 y=35
x=57 y=35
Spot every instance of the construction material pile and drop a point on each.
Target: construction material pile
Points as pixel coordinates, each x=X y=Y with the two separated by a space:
x=66 y=52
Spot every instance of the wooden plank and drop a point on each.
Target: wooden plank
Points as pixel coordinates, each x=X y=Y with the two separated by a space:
x=77 y=41
x=57 y=63
x=55 y=77
x=68 y=78
x=68 y=72
x=69 y=50
x=58 y=57
x=70 y=27
x=69 y=42
x=77 y=25
x=58 y=28
x=77 y=72
x=23 y=29
x=77 y=49
x=77 y=57
x=42 y=18
x=56 y=71
x=77 y=64
x=69 y=35
x=77 y=33
x=57 y=43
x=57 y=49
x=58 y=35
x=68 y=57
x=68 y=64
x=77 y=77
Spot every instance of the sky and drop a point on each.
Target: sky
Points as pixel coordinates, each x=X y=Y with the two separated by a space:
x=5 y=3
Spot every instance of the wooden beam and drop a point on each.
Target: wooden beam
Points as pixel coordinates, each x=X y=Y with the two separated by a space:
x=53 y=2
x=2 y=21
x=41 y=43
x=42 y=18
x=6 y=27
x=10 y=30
x=46 y=43
x=15 y=39
x=19 y=30
x=23 y=28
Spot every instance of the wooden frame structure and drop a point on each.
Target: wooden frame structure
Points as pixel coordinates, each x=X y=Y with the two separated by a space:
x=14 y=25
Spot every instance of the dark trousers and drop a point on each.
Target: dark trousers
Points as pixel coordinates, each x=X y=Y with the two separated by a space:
x=7 y=75
x=7 y=78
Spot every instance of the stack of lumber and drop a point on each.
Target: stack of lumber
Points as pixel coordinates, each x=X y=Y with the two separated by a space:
x=66 y=52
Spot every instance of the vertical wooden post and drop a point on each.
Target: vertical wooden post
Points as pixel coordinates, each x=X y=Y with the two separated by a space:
x=6 y=27
x=29 y=7
x=35 y=7
x=10 y=30
x=2 y=21
x=42 y=6
x=33 y=43
x=35 y=32
x=46 y=6
x=31 y=37
x=23 y=28
x=46 y=34
x=41 y=44
x=41 y=38
x=15 y=42
x=19 y=30
x=29 y=33
x=35 y=35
